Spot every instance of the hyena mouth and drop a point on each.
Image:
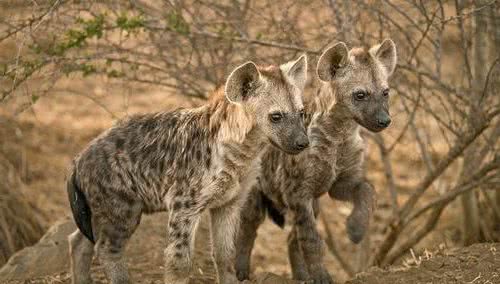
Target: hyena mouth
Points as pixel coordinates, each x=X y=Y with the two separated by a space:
x=290 y=152
x=371 y=126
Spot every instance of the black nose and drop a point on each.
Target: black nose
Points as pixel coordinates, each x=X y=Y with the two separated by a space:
x=384 y=122
x=301 y=144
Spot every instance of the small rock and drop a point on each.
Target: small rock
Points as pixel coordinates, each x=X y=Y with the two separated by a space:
x=48 y=256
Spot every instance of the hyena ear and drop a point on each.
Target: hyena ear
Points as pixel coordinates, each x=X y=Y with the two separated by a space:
x=296 y=71
x=386 y=53
x=241 y=82
x=331 y=61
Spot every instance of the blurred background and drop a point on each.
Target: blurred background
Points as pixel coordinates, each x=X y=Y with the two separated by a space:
x=70 y=69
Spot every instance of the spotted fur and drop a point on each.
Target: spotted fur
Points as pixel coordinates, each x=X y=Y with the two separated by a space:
x=333 y=163
x=185 y=162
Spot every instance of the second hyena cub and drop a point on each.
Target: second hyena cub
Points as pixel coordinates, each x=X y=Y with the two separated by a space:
x=184 y=162
x=354 y=92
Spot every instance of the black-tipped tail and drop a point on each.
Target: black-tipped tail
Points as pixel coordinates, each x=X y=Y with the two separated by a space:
x=274 y=214
x=80 y=208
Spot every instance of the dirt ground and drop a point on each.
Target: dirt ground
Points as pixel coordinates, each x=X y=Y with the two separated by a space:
x=479 y=264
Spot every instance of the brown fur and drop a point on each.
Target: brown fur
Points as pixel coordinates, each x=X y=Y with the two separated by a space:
x=333 y=163
x=184 y=162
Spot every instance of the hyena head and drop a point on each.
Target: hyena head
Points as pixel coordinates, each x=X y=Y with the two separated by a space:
x=360 y=80
x=272 y=98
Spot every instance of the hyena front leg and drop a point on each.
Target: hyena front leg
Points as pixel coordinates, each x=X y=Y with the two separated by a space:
x=225 y=224
x=310 y=241
x=297 y=262
x=251 y=216
x=81 y=251
x=361 y=193
x=295 y=254
x=182 y=224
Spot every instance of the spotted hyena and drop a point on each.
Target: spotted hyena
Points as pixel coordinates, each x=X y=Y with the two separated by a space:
x=184 y=162
x=354 y=92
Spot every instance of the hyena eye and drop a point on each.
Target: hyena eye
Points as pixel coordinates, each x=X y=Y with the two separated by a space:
x=360 y=95
x=385 y=93
x=275 y=117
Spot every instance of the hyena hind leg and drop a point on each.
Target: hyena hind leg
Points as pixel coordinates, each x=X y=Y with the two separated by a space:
x=109 y=250
x=113 y=233
x=81 y=251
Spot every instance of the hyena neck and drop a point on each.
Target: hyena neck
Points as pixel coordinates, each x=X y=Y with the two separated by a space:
x=239 y=141
x=233 y=124
x=322 y=102
x=333 y=113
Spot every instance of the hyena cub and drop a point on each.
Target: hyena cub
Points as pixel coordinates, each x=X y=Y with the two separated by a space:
x=184 y=162
x=354 y=92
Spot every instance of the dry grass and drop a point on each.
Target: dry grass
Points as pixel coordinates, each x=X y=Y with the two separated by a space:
x=20 y=222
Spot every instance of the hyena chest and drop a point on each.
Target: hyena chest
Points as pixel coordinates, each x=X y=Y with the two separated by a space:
x=241 y=167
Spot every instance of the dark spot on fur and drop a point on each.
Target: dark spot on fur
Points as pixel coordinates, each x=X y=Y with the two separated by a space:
x=177 y=205
x=198 y=155
x=174 y=225
x=208 y=161
x=190 y=172
x=133 y=156
x=119 y=143
x=178 y=254
x=129 y=214
x=124 y=196
x=187 y=204
x=149 y=124
x=300 y=221
x=133 y=188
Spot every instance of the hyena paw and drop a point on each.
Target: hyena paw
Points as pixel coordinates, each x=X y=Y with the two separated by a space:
x=356 y=227
x=242 y=268
x=242 y=273
x=320 y=276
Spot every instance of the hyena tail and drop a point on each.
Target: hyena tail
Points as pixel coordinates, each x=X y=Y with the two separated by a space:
x=80 y=208
x=276 y=216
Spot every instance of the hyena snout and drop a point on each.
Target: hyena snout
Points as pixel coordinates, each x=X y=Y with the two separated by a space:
x=301 y=142
x=383 y=119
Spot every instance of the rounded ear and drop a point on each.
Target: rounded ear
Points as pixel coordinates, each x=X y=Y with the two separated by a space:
x=386 y=54
x=331 y=61
x=241 y=81
x=296 y=71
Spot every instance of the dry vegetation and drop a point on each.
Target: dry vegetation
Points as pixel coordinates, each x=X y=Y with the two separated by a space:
x=70 y=68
